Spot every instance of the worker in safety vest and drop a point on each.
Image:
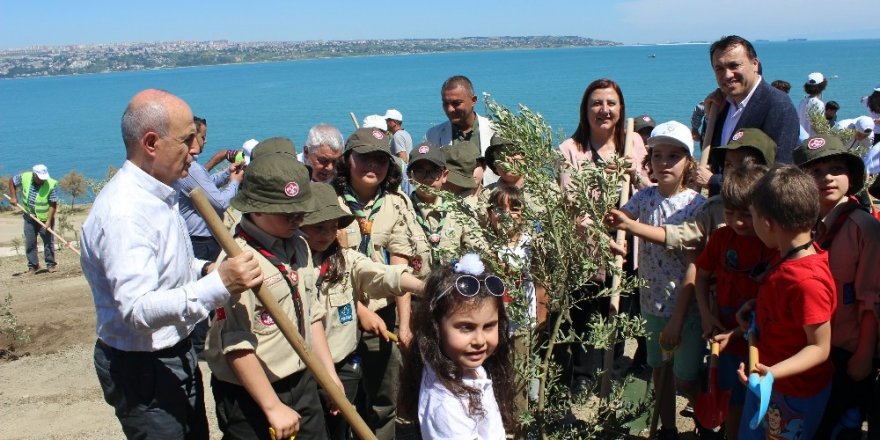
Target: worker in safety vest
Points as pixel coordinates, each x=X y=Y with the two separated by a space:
x=40 y=199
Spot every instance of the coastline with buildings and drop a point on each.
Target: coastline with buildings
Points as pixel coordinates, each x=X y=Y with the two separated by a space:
x=83 y=59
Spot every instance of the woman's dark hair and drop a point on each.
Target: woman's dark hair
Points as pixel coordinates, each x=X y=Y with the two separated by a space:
x=874 y=102
x=781 y=85
x=581 y=135
x=427 y=349
x=390 y=184
x=814 y=89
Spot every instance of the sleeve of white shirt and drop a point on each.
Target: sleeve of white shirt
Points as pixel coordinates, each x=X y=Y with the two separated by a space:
x=129 y=258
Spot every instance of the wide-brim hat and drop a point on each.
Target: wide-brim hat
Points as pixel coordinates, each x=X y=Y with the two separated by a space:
x=275 y=183
x=495 y=149
x=828 y=146
x=756 y=139
x=429 y=152
x=273 y=145
x=368 y=140
x=461 y=159
x=327 y=207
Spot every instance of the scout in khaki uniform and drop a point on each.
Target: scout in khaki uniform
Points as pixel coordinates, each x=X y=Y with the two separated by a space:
x=448 y=233
x=258 y=379
x=386 y=231
x=466 y=168
x=343 y=276
x=500 y=154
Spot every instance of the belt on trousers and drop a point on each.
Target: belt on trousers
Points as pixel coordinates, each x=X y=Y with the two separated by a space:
x=175 y=350
x=200 y=238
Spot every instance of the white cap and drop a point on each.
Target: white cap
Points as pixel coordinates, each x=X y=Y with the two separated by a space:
x=392 y=113
x=672 y=132
x=41 y=171
x=247 y=147
x=864 y=124
x=877 y=87
x=375 y=121
x=815 y=78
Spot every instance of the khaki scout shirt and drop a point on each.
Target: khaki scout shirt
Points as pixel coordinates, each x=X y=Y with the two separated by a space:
x=366 y=279
x=394 y=230
x=459 y=233
x=246 y=325
x=852 y=257
x=693 y=234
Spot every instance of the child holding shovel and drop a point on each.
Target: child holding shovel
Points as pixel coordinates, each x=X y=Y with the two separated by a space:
x=731 y=255
x=258 y=380
x=344 y=276
x=793 y=309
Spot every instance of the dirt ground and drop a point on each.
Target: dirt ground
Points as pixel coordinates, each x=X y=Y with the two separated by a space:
x=48 y=386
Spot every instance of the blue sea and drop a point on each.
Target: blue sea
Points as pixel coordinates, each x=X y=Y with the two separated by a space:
x=72 y=122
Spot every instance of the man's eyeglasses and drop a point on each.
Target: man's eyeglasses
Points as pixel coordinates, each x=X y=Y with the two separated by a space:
x=469 y=286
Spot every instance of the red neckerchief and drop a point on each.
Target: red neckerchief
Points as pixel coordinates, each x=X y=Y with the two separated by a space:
x=849 y=206
x=291 y=277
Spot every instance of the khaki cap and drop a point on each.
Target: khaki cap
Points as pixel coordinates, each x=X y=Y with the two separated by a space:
x=368 y=140
x=327 y=207
x=756 y=139
x=275 y=183
x=828 y=146
x=461 y=159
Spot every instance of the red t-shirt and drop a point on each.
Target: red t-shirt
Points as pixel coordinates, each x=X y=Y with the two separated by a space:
x=797 y=293
x=732 y=258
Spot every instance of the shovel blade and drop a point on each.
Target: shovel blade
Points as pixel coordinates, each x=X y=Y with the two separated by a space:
x=711 y=407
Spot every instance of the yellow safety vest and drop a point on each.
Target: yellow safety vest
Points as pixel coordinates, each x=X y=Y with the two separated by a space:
x=41 y=203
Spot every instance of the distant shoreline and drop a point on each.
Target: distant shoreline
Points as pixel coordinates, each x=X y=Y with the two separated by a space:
x=83 y=60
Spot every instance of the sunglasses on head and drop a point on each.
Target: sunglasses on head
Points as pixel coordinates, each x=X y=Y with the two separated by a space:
x=469 y=286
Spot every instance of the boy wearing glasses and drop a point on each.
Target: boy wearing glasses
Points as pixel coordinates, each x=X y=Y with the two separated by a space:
x=852 y=238
x=793 y=310
x=444 y=230
x=732 y=256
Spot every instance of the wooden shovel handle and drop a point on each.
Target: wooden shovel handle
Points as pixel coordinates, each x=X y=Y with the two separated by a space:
x=288 y=329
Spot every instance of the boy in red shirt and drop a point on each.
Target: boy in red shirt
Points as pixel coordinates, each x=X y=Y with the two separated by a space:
x=731 y=255
x=852 y=238
x=793 y=310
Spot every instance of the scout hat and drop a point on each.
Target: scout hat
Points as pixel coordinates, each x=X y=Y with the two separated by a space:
x=273 y=145
x=461 y=159
x=368 y=140
x=825 y=146
x=430 y=152
x=756 y=139
x=327 y=207
x=674 y=133
x=275 y=183
x=41 y=171
x=644 y=121
x=494 y=151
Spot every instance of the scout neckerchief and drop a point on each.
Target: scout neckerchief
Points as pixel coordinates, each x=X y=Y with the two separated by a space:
x=291 y=277
x=433 y=235
x=849 y=206
x=364 y=221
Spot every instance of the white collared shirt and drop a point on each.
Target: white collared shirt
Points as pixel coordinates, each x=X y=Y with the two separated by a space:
x=138 y=260
x=442 y=415
x=734 y=112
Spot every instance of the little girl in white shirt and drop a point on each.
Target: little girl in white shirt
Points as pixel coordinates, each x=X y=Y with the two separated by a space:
x=458 y=378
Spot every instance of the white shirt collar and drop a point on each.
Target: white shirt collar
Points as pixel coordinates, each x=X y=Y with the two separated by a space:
x=150 y=184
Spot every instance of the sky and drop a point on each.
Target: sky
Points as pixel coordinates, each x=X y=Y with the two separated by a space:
x=25 y=23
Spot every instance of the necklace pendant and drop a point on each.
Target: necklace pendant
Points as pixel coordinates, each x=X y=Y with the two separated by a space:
x=366 y=226
x=435 y=238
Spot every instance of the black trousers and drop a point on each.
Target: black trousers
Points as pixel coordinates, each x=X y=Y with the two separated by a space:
x=239 y=416
x=156 y=395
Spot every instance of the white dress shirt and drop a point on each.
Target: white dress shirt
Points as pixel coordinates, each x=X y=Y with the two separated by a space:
x=734 y=113
x=138 y=260
x=442 y=415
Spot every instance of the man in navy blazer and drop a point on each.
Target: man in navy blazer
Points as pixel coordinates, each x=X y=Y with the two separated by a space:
x=745 y=100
